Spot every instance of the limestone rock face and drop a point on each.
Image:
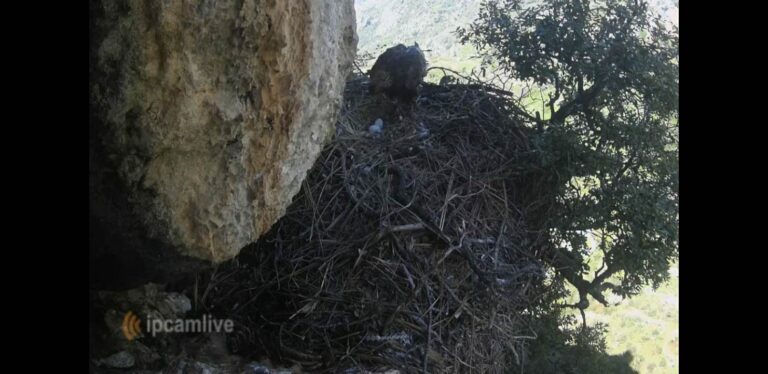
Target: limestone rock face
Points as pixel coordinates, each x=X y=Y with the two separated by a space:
x=205 y=117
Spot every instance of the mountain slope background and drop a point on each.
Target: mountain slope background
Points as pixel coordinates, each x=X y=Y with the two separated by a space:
x=432 y=23
x=646 y=325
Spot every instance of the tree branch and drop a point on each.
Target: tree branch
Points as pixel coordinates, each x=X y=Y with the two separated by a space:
x=582 y=100
x=555 y=97
x=567 y=268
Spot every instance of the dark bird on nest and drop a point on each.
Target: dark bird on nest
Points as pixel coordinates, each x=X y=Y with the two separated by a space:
x=398 y=72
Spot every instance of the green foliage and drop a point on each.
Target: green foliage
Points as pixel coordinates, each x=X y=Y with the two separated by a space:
x=611 y=68
x=647 y=324
x=615 y=152
x=563 y=347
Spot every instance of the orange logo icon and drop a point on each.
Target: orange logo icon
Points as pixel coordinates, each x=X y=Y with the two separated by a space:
x=131 y=326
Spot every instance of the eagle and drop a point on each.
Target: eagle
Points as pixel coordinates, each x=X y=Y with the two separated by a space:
x=398 y=72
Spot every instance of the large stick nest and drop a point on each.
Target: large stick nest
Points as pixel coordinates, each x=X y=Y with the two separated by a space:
x=415 y=250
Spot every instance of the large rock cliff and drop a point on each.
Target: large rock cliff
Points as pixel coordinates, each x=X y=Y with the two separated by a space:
x=205 y=117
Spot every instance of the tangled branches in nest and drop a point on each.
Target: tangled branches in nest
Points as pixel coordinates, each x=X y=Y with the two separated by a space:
x=414 y=250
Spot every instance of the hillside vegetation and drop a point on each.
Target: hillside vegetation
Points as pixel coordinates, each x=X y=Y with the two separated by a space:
x=646 y=325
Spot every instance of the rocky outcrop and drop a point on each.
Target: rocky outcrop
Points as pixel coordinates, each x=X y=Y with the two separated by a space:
x=205 y=117
x=202 y=349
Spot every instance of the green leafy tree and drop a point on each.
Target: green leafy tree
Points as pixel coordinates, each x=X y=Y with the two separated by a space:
x=609 y=132
x=563 y=348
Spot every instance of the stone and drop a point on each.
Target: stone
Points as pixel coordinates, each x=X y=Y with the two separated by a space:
x=121 y=360
x=205 y=117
